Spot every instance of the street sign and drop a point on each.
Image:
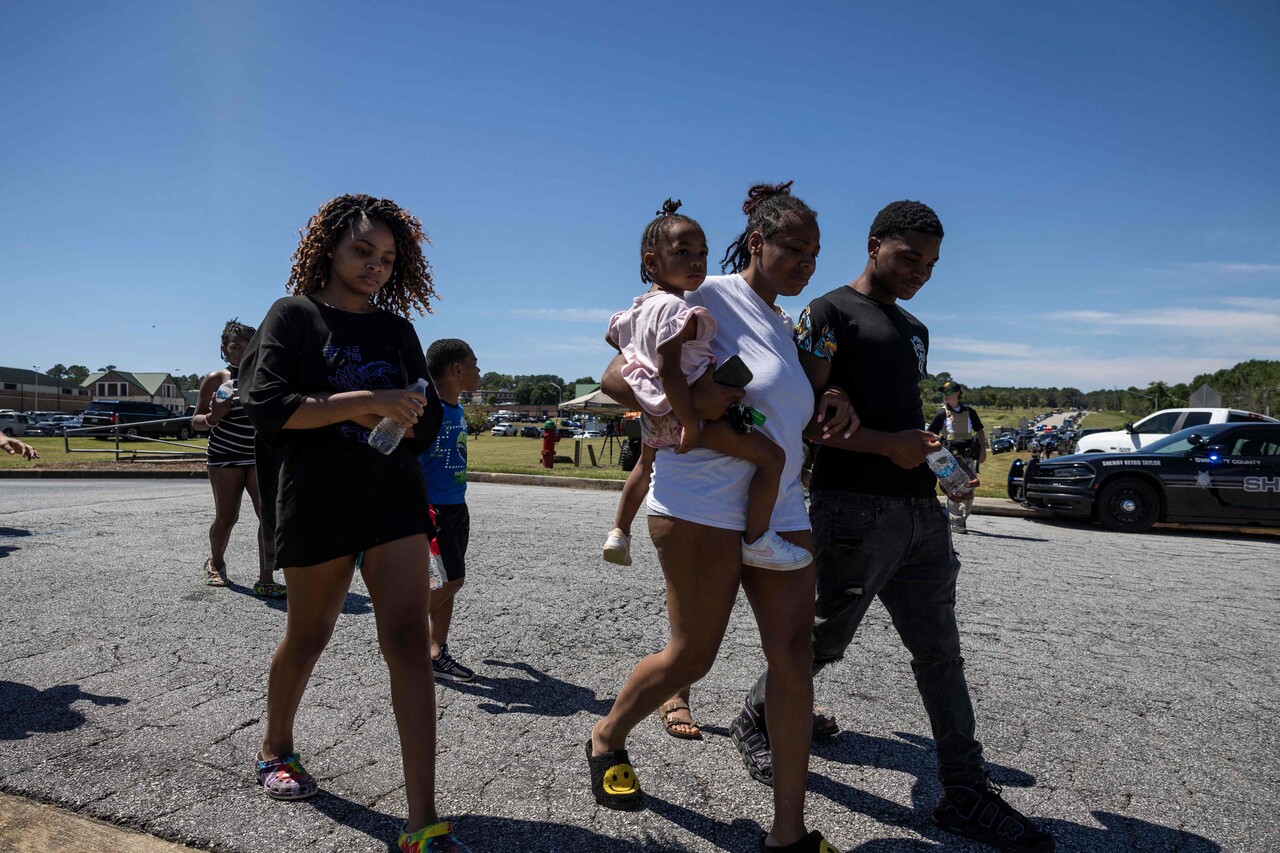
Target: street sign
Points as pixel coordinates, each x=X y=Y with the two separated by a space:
x=1206 y=397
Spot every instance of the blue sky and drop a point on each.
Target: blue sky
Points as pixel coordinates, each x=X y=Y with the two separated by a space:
x=1106 y=173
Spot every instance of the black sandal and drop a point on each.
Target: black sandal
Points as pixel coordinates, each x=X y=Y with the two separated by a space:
x=811 y=843
x=613 y=780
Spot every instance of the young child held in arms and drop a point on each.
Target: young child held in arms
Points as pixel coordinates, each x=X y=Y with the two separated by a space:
x=666 y=343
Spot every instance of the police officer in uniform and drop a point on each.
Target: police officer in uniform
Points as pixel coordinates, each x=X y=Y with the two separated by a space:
x=961 y=431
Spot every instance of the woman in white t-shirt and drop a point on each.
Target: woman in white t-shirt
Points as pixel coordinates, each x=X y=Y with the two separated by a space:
x=697 y=514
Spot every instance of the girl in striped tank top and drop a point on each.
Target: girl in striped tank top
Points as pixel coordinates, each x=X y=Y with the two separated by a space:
x=231 y=464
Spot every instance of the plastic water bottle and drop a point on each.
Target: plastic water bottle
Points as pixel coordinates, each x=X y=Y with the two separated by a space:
x=437 y=571
x=386 y=436
x=948 y=471
x=225 y=391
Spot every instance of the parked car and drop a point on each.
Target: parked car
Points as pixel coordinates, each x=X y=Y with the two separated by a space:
x=37 y=428
x=565 y=432
x=12 y=423
x=531 y=431
x=1004 y=443
x=1226 y=473
x=1156 y=426
x=62 y=423
x=504 y=429
x=134 y=418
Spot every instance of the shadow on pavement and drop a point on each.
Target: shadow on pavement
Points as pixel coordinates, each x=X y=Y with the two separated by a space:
x=915 y=755
x=1237 y=533
x=986 y=535
x=355 y=604
x=485 y=832
x=25 y=711
x=539 y=694
x=11 y=533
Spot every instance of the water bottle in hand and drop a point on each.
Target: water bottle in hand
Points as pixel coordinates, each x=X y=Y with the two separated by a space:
x=386 y=436
x=225 y=391
x=947 y=469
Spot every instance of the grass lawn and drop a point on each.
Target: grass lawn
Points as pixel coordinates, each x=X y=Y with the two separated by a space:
x=53 y=453
x=496 y=454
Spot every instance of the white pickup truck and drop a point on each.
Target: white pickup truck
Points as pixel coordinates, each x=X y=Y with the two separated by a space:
x=1160 y=424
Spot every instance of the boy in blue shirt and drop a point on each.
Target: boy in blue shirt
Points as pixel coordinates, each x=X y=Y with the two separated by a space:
x=454 y=369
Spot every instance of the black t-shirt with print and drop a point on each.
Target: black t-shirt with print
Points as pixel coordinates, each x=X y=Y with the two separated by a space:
x=878 y=355
x=325 y=493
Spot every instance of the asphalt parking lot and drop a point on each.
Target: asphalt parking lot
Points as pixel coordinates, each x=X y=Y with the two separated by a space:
x=1125 y=686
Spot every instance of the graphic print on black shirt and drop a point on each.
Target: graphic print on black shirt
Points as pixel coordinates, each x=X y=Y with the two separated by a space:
x=347 y=373
x=878 y=354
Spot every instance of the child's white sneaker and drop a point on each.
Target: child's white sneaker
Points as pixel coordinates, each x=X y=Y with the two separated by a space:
x=771 y=551
x=617 y=548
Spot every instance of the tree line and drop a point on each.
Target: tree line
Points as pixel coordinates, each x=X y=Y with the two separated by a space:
x=1252 y=385
x=541 y=389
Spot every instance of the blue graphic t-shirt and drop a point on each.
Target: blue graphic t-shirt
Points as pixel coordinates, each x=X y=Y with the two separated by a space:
x=444 y=464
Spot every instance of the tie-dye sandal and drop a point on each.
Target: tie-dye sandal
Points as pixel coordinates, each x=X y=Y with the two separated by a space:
x=435 y=838
x=286 y=779
x=214 y=575
x=613 y=780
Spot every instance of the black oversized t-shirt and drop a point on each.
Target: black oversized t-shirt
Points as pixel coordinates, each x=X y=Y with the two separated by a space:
x=878 y=355
x=325 y=493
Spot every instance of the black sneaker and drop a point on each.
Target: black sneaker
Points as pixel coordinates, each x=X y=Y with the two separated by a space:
x=448 y=669
x=981 y=814
x=749 y=735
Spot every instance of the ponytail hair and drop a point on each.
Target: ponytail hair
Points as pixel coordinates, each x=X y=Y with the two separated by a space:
x=655 y=229
x=769 y=209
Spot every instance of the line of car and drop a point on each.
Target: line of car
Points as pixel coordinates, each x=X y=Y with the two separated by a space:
x=36 y=423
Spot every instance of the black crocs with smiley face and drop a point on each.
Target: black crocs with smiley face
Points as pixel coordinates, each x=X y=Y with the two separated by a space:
x=613 y=780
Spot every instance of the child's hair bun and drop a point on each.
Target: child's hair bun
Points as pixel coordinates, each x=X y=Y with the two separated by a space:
x=669 y=207
x=760 y=192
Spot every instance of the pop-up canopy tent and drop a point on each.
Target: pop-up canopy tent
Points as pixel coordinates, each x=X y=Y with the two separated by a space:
x=596 y=403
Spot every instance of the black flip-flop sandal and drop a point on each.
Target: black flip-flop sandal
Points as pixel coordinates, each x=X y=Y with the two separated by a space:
x=613 y=780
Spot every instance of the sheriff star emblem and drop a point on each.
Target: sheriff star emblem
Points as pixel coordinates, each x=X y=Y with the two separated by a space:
x=1204 y=480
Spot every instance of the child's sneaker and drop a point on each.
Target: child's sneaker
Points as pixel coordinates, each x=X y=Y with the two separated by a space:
x=434 y=838
x=617 y=548
x=771 y=551
x=448 y=669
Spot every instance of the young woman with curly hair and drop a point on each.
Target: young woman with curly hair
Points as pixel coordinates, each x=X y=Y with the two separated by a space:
x=328 y=364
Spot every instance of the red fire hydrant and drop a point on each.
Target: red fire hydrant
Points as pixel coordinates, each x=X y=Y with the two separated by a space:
x=549 y=439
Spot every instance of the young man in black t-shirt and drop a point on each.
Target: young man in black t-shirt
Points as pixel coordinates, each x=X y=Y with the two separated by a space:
x=965 y=438
x=877 y=524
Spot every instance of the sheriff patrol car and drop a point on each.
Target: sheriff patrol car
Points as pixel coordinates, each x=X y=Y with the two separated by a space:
x=1212 y=474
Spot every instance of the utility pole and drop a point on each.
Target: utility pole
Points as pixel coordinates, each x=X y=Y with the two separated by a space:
x=36 y=407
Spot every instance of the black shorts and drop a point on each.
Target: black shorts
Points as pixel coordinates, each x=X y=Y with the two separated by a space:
x=453 y=530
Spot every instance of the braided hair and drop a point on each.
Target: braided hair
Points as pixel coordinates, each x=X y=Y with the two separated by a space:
x=655 y=229
x=769 y=209
x=410 y=285
x=902 y=216
x=235 y=329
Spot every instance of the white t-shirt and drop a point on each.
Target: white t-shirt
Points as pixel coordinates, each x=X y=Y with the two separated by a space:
x=710 y=488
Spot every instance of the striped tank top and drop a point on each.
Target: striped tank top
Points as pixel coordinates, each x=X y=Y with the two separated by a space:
x=231 y=439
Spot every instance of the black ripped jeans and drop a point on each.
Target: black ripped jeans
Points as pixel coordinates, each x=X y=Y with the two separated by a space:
x=900 y=550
